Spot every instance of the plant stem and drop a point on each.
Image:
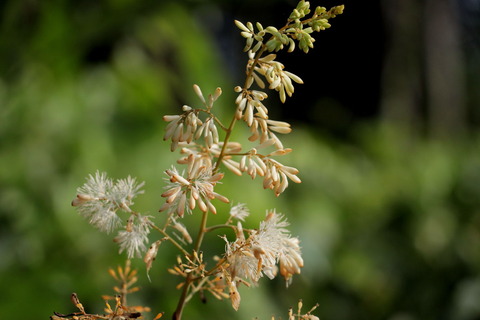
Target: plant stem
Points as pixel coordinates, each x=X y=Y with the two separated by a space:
x=234 y=119
x=219 y=226
x=225 y=143
x=177 y=315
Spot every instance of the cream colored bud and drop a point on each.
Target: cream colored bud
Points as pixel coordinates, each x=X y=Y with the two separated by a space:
x=232 y=166
x=164 y=207
x=178 y=134
x=258 y=80
x=290 y=170
x=80 y=199
x=283 y=130
x=174 y=177
x=199 y=93
x=211 y=207
x=221 y=198
x=282 y=95
x=294 y=77
x=201 y=205
x=248 y=116
x=267 y=182
x=249 y=82
x=259 y=169
x=238 y=114
x=170 y=129
x=242 y=104
x=173 y=146
x=169 y=118
x=275 y=83
x=261 y=111
x=294 y=178
x=181 y=205
x=300 y=305
x=217 y=177
x=170 y=194
x=280 y=188
x=260 y=95
x=255 y=135
x=191 y=202
x=186 y=108
x=217 y=93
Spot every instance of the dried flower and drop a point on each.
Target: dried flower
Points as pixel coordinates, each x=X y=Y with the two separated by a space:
x=258 y=254
x=125 y=190
x=234 y=294
x=239 y=211
x=180 y=227
x=242 y=261
x=290 y=259
x=99 y=199
x=133 y=240
x=151 y=255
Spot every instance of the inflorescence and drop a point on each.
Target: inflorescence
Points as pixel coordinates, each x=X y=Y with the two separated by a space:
x=205 y=148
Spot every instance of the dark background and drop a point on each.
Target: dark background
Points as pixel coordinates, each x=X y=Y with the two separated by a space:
x=385 y=136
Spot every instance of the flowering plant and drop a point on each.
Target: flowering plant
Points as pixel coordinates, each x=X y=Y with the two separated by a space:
x=206 y=148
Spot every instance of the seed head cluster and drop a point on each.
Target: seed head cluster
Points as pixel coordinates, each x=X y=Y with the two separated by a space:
x=265 y=251
x=100 y=200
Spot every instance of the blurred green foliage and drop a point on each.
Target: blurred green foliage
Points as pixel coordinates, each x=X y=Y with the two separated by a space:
x=389 y=222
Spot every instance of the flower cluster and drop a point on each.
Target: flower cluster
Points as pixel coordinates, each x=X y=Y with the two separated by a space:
x=273 y=71
x=259 y=254
x=297 y=30
x=135 y=236
x=239 y=212
x=188 y=126
x=197 y=132
x=100 y=199
x=202 y=159
x=184 y=194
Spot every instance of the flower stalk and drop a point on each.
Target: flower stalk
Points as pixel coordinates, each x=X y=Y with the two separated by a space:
x=269 y=250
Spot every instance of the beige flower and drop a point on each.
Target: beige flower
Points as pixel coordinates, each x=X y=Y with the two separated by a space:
x=278 y=79
x=188 y=126
x=277 y=176
x=197 y=189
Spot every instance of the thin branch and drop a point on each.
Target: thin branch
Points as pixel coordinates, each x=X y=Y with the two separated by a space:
x=167 y=236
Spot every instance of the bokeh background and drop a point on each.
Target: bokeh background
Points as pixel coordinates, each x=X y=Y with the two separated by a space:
x=386 y=136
